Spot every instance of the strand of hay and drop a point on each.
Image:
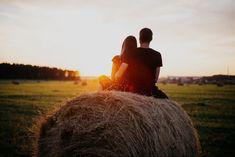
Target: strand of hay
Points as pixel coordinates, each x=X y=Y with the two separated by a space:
x=118 y=124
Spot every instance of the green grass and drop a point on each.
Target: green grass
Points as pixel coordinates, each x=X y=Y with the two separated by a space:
x=211 y=108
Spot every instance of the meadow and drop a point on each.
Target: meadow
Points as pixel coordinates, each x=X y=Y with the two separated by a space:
x=211 y=108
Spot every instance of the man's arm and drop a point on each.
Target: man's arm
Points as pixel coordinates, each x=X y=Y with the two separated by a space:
x=157 y=74
x=121 y=71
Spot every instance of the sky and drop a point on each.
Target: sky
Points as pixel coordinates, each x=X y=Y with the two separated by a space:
x=195 y=37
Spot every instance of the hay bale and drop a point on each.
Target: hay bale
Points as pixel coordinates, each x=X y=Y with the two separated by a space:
x=118 y=124
x=220 y=84
x=76 y=82
x=15 y=82
x=84 y=83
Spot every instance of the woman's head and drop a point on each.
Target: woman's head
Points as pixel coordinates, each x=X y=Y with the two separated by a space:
x=129 y=45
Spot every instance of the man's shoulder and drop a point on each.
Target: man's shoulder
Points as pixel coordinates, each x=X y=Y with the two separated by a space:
x=155 y=52
x=148 y=50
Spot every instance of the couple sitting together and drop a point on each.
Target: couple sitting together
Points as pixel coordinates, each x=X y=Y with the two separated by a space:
x=135 y=69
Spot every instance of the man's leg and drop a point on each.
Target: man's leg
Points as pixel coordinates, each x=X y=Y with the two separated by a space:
x=157 y=93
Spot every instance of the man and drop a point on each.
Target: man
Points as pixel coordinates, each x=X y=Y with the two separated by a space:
x=146 y=67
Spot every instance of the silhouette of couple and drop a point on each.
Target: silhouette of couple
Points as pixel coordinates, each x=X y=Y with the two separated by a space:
x=135 y=69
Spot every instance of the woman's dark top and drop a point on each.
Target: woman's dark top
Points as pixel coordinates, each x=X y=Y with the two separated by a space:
x=124 y=82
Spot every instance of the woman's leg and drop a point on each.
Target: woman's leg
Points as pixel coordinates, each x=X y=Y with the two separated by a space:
x=105 y=82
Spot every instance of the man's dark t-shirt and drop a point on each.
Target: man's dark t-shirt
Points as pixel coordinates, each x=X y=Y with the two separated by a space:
x=143 y=63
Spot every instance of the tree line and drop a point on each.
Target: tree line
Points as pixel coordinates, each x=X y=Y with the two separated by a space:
x=21 y=71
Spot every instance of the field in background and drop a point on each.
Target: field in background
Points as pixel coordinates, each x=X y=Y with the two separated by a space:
x=211 y=108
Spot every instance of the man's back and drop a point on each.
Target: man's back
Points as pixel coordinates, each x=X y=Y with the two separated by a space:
x=145 y=62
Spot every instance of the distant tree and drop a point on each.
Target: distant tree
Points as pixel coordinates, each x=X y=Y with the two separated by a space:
x=21 y=71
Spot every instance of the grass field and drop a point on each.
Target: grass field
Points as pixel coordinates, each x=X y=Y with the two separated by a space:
x=211 y=108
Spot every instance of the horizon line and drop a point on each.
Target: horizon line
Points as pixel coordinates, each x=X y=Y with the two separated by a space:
x=73 y=69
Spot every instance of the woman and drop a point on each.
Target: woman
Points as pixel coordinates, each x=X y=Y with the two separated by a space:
x=120 y=77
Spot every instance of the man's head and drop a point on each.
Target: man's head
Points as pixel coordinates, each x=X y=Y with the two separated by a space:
x=146 y=35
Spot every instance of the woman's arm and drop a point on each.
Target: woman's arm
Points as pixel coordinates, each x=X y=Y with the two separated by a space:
x=121 y=71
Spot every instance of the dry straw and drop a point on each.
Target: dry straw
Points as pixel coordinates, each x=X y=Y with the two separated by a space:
x=118 y=124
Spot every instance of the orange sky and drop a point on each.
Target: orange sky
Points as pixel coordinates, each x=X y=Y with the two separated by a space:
x=195 y=37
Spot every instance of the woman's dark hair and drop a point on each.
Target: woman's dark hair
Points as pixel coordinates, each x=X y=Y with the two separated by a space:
x=146 y=35
x=129 y=45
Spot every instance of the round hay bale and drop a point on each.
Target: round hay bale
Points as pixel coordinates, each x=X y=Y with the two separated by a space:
x=84 y=83
x=118 y=124
x=15 y=82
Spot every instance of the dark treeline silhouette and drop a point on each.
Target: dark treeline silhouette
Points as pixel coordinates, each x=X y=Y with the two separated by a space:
x=21 y=71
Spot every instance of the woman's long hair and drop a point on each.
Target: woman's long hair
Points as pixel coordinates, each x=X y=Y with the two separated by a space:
x=129 y=45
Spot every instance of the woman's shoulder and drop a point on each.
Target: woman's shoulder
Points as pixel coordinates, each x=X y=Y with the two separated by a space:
x=116 y=58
